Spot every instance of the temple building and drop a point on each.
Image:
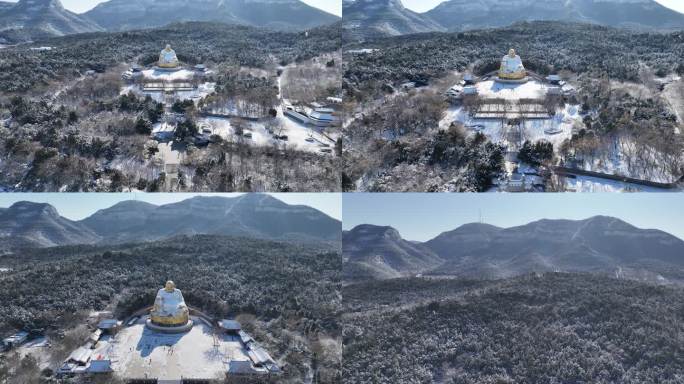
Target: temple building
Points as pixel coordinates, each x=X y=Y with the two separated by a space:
x=512 y=68
x=167 y=80
x=169 y=313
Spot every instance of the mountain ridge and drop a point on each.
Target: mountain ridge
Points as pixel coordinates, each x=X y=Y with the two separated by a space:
x=29 y=20
x=368 y=19
x=118 y=15
x=598 y=244
x=26 y=224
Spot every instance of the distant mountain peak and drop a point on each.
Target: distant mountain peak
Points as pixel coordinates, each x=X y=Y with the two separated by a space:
x=37 y=19
x=372 y=18
x=31 y=208
x=376 y=230
x=600 y=244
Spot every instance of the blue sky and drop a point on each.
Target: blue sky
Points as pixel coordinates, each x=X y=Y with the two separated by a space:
x=423 y=216
x=77 y=206
x=80 y=6
x=426 y=5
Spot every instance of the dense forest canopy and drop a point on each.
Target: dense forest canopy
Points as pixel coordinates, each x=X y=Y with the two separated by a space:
x=545 y=47
x=553 y=328
x=221 y=275
x=23 y=69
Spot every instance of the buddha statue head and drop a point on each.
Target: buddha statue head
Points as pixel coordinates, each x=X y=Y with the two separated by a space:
x=169 y=286
x=511 y=52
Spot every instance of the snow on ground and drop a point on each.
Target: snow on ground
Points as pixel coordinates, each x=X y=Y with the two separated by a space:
x=362 y=51
x=155 y=74
x=138 y=352
x=592 y=184
x=170 y=153
x=497 y=90
x=555 y=130
x=39 y=349
x=624 y=157
x=202 y=91
x=163 y=129
x=675 y=98
x=300 y=136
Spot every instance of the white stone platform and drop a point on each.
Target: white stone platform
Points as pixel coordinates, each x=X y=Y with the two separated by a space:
x=138 y=352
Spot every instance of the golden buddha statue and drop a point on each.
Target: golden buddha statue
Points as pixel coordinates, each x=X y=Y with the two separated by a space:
x=168 y=58
x=512 y=67
x=169 y=308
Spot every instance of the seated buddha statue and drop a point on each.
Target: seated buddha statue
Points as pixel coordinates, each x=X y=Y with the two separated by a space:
x=512 y=67
x=169 y=308
x=168 y=58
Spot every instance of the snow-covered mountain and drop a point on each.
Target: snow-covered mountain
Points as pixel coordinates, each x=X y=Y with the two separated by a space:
x=458 y=15
x=117 y=15
x=26 y=224
x=365 y=19
x=41 y=18
x=598 y=244
x=252 y=215
x=35 y=19
x=377 y=18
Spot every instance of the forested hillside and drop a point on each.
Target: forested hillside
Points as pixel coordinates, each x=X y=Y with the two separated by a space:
x=544 y=46
x=553 y=328
x=22 y=69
